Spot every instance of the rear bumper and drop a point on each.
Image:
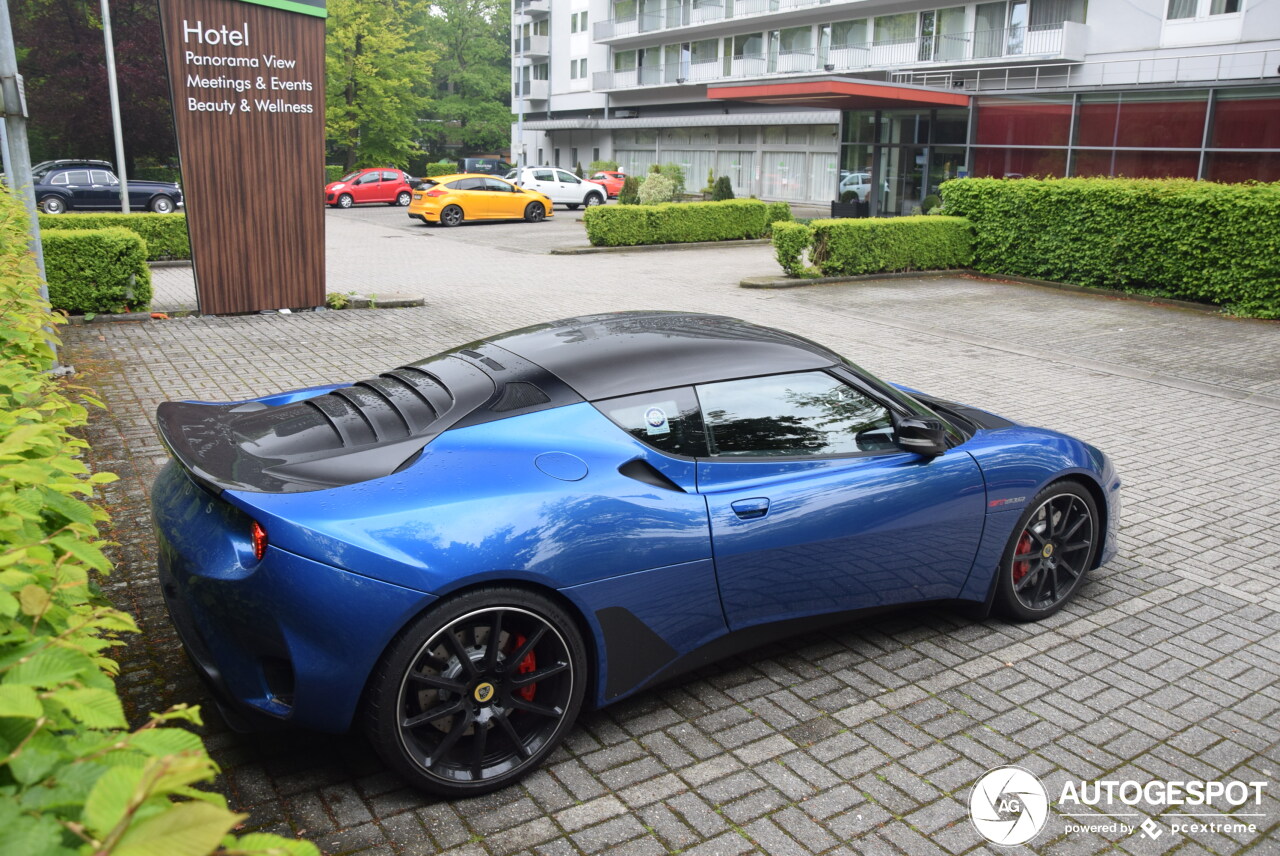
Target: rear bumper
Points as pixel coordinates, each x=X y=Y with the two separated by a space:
x=285 y=638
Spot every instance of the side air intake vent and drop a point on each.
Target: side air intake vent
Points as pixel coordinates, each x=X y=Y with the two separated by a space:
x=517 y=395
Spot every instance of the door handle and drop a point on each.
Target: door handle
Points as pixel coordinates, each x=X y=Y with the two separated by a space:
x=751 y=509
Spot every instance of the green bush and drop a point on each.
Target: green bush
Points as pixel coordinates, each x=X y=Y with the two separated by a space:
x=1196 y=240
x=657 y=188
x=722 y=189
x=165 y=234
x=602 y=166
x=674 y=172
x=777 y=211
x=577 y=170
x=156 y=173
x=97 y=270
x=679 y=223
x=848 y=247
x=73 y=778
x=333 y=172
x=630 y=192
x=790 y=240
x=434 y=169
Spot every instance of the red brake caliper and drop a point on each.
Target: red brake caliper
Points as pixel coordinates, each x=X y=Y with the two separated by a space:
x=527 y=665
x=1020 y=569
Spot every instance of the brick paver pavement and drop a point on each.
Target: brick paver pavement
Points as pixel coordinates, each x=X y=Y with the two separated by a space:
x=859 y=739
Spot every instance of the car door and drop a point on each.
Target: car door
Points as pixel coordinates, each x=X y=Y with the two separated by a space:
x=572 y=189
x=79 y=188
x=470 y=196
x=365 y=188
x=813 y=508
x=543 y=181
x=504 y=201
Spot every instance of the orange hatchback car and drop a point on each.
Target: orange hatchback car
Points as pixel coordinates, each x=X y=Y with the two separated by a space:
x=611 y=180
x=451 y=199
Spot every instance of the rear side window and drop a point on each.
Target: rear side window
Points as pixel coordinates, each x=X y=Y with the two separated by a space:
x=467 y=184
x=79 y=176
x=391 y=176
x=543 y=175
x=668 y=420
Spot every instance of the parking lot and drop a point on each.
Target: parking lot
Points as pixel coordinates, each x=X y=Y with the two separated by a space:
x=855 y=739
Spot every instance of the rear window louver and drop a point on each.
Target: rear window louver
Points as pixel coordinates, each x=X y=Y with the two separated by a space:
x=518 y=395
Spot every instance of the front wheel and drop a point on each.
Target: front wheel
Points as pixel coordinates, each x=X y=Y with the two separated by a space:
x=53 y=205
x=162 y=205
x=474 y=694
x=451 y=216
x=1052 y=547
x=345 y=201
x=404 y=198
x=534 y=212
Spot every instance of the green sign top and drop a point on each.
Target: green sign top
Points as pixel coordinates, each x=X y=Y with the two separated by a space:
x=305 y=7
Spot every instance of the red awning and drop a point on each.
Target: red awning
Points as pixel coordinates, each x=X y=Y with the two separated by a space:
x=840 y=93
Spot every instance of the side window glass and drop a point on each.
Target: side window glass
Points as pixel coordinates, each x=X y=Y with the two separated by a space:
x=368 y=178
x=101 y=176
x=60 y=178
x=668 y=420
x=544 y=175
x=391 y=176
x=567 y=177
x=465 y=184
x=79 y=176
x=497 y=186
x=800 y=414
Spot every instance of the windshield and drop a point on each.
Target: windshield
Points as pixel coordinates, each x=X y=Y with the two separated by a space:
x=350 y=177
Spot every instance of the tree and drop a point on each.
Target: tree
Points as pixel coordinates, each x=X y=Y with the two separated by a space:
x=471 y=78
x=62 y=59
x=376 y=73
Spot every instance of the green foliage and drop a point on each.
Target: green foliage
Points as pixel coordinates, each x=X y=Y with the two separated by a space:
x=165 y=234
x=470 y=77
x=97 y=270
x=577 y=170
x=73 y=778
x=848 y=196
x=777 y=212
x=602 y=166
x=338 y=299
x=674 y=172
x=929 y=203
x=1195 y=240
x=375 y=65
x=847 y=247
x=156 y=173
x=679 y=223
x=722 y=189
x=709 y=187
x=333 y=172
x=434 y=169
x=629 y=194
x=656 y=188
x=790 y=240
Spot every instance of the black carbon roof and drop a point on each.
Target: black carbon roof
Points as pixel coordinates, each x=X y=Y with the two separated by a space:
x=620 y=353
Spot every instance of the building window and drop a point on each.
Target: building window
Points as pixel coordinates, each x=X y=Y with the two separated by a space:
x=578 y=69
x=557 y=156
x=1181 y=10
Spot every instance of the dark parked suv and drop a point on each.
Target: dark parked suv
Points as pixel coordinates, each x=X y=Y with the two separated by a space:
x=62 y=185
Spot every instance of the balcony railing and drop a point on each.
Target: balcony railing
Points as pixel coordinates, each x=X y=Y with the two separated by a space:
x=531 y=46
x=1036 y=42
x=534 y=90
x=533 y=8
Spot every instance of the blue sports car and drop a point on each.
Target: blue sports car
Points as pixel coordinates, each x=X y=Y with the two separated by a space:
x=462 y=552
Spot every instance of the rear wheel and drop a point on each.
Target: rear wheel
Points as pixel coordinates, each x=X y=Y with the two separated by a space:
x=345 y=200
x=451 y=216
x=534 y=212
x=404 y=198
x=473 y=695
x=52 y=205
x=1052 y=547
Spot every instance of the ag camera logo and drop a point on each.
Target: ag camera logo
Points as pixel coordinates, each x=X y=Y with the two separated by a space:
x=1008 y=806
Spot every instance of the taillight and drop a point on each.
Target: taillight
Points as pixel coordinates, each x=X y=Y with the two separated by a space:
x=436 y=192
x=259 y=536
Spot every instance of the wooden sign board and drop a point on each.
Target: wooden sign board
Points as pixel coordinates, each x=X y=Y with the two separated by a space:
x=247 y=81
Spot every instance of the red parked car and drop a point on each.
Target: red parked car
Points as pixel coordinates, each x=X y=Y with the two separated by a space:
x=382 y=184
x=612 y=181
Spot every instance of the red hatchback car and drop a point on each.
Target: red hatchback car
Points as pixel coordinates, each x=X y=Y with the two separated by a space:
x=611 y=180
x=382 y=184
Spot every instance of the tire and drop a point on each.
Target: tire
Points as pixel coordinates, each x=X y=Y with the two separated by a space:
x=162 y=205
x=1051 y=549
x=53 y=205
x=593 y=199
x=451 y=216
x=476 y=692
x=345 y=201
x=534 y=212
x=404 y=198
x=572 y=206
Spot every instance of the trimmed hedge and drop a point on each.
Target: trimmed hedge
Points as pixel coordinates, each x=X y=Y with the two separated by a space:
x=97 y=270
x=333 y=172
x=157 y=173
x=1197 y=240
x=434 y=169
x=74 y=778
x=165 y=234
x=849 y=247
x=682 y=222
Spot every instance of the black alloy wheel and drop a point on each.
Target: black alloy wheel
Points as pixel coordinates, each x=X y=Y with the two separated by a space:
x=534 y=212
x=1052 y=548
x=451 y=216
x=477 y=692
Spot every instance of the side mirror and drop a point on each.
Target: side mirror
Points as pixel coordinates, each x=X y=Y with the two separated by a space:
x=923 y=436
